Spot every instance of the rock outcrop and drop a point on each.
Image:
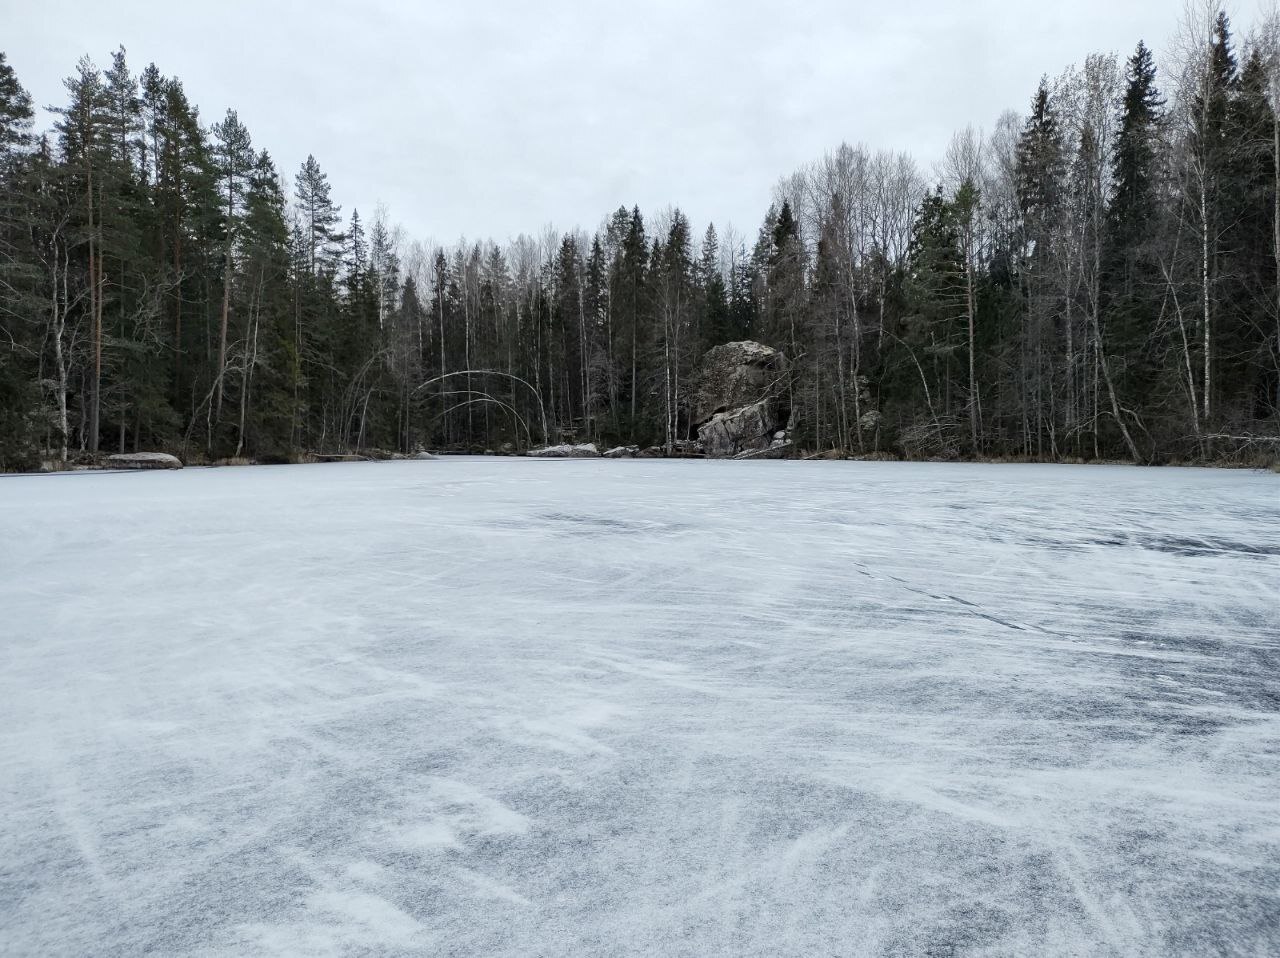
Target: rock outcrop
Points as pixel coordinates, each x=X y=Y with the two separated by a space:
x=622 y=452
x=745 y=433
x=144 y=460
x=586 y=450
x=741 y=404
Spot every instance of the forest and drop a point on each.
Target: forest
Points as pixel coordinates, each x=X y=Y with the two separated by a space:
x=1095 y=279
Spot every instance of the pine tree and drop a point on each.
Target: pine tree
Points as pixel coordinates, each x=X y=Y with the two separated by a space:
x=267 y=361
x=124 y=107
x=81 y=136
x=235 y=160
x=319 y=216
x=188 y=233
x=155 y=286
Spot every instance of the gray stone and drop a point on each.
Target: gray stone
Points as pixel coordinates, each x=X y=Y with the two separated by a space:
x=737 y=374
x=778 y=449
x=622 y=452
x=741 y=406
x=738 y=430
x=144 y=460
x=586 y=450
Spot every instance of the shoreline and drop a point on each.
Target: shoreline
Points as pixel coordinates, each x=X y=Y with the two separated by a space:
x=52 y=468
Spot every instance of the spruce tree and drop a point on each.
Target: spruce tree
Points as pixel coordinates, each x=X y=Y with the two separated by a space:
x=1210 y=152
x=934 y=333
x=1040 y=173
x=716 y=322
x=785 y=274
x=19 y=392
x=1041 y=167
x=632 y=309
x=673 y=282
x=1133 y=207
x=1247 y=263
x=410 y=319
x=1131 y=288
x=16 y=113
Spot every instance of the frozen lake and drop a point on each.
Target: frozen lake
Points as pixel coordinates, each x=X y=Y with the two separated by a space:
x=522 y=707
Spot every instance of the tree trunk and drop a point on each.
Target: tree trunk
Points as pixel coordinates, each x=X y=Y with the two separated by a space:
x=440 y=296
x=1205 y=297
x=855 y=362
x=95 y=291
x=1111 y=389
x=246 y=377
x=222 y=328
x=59 y=354
x=970 y=310
x=1275 y=241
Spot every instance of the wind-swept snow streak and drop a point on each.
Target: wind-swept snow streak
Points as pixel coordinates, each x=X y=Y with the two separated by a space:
x=518 y=707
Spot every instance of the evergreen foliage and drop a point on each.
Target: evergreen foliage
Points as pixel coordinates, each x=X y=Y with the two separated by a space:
x=1096 y=280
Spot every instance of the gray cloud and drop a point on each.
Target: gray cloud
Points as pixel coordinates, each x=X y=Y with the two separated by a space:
x=498 y=118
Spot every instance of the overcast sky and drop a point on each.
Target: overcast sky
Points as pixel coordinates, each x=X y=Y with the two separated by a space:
x=488 y=119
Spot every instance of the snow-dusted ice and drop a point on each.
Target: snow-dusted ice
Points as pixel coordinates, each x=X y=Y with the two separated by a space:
x=524 y=707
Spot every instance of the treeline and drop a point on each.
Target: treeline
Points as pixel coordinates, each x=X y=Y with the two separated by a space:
x=1098 y=279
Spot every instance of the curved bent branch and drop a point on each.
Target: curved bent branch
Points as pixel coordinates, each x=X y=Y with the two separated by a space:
x=546 y=435
x=487 y=399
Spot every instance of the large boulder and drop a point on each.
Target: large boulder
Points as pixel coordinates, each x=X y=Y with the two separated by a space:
x=586 y=450
x=741 y=403
x=729 y=433
x=737 y=374
x=144 y=460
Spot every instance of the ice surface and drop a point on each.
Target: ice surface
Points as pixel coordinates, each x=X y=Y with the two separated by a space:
x=528 y=707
